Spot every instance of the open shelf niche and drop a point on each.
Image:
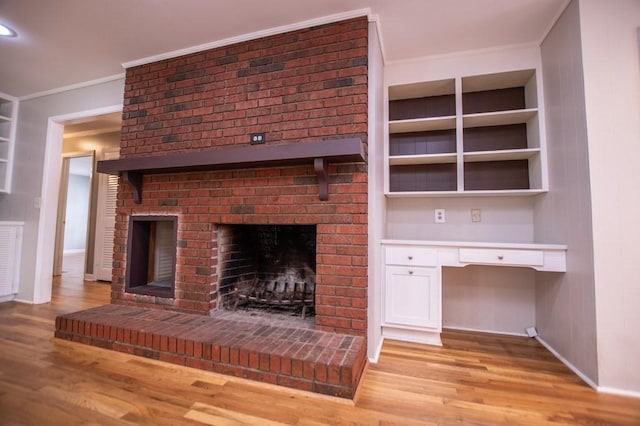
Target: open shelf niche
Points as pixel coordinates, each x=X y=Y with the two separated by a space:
x=8 y=113
x=475 y=135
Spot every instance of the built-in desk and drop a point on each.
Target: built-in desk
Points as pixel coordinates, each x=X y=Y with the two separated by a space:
x=412 y=294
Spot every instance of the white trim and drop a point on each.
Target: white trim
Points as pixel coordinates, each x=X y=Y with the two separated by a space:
x=552 y=22
x=85 y=133
x=478 y=330
x=8 y=298
x=376 y=20
x=73 y=87
x=566 y=362
x=376 y=356
x=49 y=199
x=11 y=223
x=73 y=251
x=251 y=36
x=90 y=277
x=48 y=212
x=8 y=97
x=467 y=53
x=619 y=392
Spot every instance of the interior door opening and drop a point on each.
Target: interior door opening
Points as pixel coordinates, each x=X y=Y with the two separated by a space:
x=73 y=214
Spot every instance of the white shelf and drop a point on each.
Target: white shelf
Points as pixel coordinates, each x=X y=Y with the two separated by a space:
x=503 y=80
x=466 y=193
x=500 y=118
x=502 y=155
x=4 y=118
x=404 y=160
x=4 y=139
x=422 y=124
x=422 y=89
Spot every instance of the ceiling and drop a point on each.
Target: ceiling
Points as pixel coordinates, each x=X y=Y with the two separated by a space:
x=66 y=42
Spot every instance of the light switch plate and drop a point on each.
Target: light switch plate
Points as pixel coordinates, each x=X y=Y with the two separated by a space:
x=476 y=215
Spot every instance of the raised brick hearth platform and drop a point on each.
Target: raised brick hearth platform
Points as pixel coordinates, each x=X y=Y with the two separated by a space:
x=304 y=359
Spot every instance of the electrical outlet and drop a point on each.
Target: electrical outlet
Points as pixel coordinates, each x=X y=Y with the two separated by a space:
x=476 y=215
x=257 y=138
x=439 y=216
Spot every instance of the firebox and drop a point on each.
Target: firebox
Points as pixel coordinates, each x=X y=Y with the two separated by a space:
x=152 y=255
x=268 y=267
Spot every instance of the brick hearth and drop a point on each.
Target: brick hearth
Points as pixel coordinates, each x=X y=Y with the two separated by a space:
x=304 y=359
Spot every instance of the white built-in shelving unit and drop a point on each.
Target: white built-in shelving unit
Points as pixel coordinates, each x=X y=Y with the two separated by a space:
x=468 y=135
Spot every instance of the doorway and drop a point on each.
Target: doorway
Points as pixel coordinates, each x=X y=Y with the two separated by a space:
x=83 y=212
x=73 y=214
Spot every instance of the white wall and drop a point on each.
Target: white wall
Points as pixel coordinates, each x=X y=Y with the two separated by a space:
x=22 y=203
x=77 y=214
x=503 y=219
x=491 y=299
x=611 y=57
x=565 y=303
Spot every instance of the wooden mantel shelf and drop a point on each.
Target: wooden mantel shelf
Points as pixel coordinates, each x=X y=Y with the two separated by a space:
x=246 y=156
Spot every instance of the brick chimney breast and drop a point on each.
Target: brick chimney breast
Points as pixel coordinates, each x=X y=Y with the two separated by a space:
x=297 y=87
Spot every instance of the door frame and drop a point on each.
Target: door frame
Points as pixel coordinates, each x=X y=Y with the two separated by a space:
x=49 y=198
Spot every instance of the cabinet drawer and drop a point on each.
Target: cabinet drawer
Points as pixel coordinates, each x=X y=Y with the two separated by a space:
x=501 y=256
x=411 y=256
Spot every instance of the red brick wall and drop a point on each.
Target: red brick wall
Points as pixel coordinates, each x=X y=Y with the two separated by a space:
x=300 y=86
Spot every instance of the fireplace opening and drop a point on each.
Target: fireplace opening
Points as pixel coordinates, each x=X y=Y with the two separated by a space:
x=268 y=268
x=151 y=255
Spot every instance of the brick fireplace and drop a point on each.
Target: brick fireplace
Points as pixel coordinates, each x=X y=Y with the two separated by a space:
x=296 y=88
x=190 y=170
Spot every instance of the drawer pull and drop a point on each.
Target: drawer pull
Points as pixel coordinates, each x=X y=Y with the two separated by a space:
x=410 y=257
x=500 y=257
x=410 y=272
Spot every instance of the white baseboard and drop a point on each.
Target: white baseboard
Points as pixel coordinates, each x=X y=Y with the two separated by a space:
x=506 y=333
x=27 y=302
x=7 y=298
x=73 y=251
x=90 y=277
x=619 y=392
x=410 y=335
x=572 y=367
x=376 y=356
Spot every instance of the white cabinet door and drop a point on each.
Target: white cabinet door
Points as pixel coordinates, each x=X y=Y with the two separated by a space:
x=412 y=297
x=10 y=249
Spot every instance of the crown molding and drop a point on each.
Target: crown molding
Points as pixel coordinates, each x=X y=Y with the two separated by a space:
x=252 y=36
x=73 y=87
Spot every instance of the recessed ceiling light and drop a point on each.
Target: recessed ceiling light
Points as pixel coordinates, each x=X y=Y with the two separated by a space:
x=6 y=31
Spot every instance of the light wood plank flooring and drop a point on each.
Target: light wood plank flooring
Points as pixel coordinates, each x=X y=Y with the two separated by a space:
x=475 y=379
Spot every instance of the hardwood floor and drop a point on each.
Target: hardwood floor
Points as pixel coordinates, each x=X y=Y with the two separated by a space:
x=474 y=379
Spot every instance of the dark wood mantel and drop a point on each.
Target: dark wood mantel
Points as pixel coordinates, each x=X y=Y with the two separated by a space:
x=320 y=153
